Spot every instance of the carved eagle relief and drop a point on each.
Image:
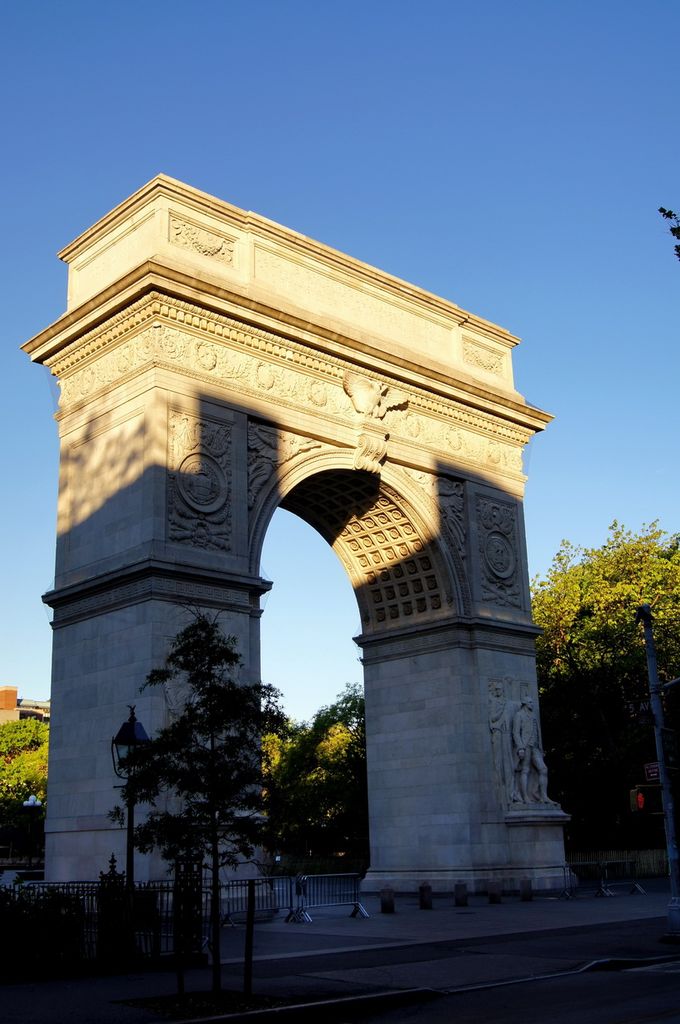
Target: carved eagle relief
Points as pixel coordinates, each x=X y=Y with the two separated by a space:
x=371 y=397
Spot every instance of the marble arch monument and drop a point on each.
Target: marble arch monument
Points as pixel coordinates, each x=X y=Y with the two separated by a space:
x=214 y=365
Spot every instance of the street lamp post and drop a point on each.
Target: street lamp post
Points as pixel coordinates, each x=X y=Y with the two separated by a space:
x=644 y=615
x=131 y=734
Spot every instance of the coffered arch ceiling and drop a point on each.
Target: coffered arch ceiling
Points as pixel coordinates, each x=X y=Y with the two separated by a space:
x=397 y=572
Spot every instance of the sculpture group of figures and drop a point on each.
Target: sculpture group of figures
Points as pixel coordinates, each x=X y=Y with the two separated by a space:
x=518 y=759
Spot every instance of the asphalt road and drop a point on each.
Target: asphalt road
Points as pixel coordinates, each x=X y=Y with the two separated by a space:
x=649 y=995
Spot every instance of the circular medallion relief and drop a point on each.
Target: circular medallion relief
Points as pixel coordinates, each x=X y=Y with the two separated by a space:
x=499 y=555
x=207 y=357
x=317 y=393
x=265 y=376
x=202 y=483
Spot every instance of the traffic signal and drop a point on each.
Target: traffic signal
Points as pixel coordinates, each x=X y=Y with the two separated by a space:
x=637 y=799
x=646 y=799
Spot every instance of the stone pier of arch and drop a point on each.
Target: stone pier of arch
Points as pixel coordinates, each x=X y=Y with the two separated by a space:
x=213 y=366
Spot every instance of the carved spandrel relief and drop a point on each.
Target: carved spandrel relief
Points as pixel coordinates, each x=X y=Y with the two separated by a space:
x=498 y=550
x=268 y=450
x=199 y=482
x=446 y=496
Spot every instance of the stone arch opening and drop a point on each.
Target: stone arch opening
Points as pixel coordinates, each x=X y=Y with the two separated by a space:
x=310 y=618
x=396 y=572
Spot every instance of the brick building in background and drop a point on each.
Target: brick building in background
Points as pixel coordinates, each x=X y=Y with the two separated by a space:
x=13 y=707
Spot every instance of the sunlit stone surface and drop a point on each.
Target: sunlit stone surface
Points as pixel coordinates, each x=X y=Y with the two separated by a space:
x=215 y=365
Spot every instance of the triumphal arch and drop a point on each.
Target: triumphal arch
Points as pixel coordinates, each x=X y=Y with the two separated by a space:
x=215 y=365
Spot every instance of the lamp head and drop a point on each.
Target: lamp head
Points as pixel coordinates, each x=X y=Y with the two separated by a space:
x=131 y=734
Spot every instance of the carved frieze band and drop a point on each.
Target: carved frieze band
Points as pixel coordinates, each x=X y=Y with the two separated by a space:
x=199 y=482
x=498 y=550
x=464 y=445
x=270 y=449
x=160 y=331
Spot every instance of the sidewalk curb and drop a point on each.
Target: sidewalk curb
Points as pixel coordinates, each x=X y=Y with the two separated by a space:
x=403 y=997
x=629 y=963
x=330 y=1007
x=591 y=967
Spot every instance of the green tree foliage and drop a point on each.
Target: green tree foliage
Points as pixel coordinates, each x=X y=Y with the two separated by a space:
x=592 y=674
x=674 y=228
x=316 y=783
x=201 y=775
x=23 y=767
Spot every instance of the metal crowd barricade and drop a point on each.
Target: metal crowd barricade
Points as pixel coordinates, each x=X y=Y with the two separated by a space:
x=316 y=891
x=569 y=883
x=622 y=872
x=599 y=877
x=272 y=894
x=590 y=872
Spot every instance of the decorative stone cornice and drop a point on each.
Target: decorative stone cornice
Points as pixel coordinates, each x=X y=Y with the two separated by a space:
x=216 y=305
x=536 y=815
x=153 y=580
x=447 y=634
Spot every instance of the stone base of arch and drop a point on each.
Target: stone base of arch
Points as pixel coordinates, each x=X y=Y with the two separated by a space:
x=437 y=814
x=548 y=878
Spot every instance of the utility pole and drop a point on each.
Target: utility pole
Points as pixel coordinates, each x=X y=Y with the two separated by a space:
x=644 y=615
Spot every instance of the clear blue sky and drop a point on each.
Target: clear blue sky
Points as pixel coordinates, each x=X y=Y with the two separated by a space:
x=508 y=156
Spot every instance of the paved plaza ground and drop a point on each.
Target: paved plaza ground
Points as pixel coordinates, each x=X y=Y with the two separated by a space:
x=338 y=957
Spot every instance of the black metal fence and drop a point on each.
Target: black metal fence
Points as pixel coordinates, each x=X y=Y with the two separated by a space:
x=113 y=922
x=272 y=894
x=108 y=923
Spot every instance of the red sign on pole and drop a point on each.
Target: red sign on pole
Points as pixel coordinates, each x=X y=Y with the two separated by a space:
x=652 y=772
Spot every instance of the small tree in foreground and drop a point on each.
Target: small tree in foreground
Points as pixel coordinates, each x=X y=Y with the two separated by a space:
x=206 y=764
